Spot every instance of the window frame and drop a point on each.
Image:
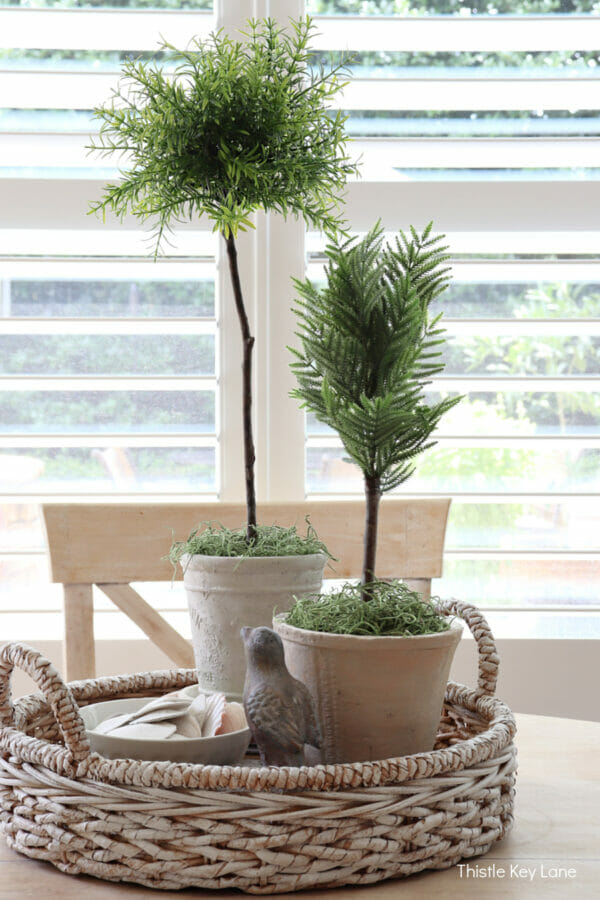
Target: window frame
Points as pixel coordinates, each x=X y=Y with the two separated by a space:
x=276 y=249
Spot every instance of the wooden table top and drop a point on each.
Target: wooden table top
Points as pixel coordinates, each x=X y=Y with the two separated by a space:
x=552 y=851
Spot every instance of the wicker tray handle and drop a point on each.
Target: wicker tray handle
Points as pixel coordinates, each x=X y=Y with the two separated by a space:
x=488 y=659
x=61 y=701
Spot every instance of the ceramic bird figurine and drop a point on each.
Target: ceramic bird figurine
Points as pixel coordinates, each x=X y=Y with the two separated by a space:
x=279 y=708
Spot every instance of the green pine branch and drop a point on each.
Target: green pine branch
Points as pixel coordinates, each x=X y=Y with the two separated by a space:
x=368 y=350
x=238 y=126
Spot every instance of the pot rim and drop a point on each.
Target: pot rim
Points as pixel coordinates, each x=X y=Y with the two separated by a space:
x=386 y=641
x=225 y=560
x=252 y=566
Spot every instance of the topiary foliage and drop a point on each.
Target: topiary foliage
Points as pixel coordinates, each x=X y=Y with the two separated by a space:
x=238 y=126
x=368 y=350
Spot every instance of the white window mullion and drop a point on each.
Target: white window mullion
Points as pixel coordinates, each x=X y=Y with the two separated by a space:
x=503 y=270
x=386 y=158
x=55 y=89
x=457 y=33
x=515 y=383
x=180 y=439
x=78 y=240
x=520 y=327
x=79 y=495
x=498 y=271
x=537 y=441
x=542 y=242
x=282 y=414
x=491 y=497
x=60 y=326
x=268 y=258
x=449 y=92
x=107 y=383
x=465 y=204
x=100 y=29
x=75 y=268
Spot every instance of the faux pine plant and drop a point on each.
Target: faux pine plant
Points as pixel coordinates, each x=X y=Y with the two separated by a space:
x=368 y=349
x=236 y=127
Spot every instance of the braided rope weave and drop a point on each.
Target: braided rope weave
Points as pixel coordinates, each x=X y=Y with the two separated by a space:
x=261 y=830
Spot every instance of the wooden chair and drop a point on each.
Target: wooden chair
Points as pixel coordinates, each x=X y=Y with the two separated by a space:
x=111 y=545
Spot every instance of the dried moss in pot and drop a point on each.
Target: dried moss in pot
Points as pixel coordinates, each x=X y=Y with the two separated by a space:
x=213 y=539
x=391 y=608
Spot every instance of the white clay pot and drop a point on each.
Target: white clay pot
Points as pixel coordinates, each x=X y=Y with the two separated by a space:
x=376 y=697
x=226 y=593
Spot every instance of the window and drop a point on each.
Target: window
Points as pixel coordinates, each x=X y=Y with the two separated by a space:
x=119 y=376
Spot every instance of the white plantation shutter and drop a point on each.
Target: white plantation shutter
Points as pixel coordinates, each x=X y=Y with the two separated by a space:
x=109 y=361
x=502 y=155
x=119 y=376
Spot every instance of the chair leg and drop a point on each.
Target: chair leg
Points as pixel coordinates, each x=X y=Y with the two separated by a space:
x=78 y=646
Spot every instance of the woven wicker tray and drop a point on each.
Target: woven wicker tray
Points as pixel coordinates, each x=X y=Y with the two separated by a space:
x=260 y=830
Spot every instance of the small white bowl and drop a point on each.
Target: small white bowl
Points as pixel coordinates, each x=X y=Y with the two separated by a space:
x=220 y=750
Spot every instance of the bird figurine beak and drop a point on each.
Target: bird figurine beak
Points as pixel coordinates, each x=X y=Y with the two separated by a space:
x=245 y=632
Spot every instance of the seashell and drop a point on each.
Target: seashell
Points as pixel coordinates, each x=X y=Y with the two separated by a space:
x=214 y=714
x=168 y=701
x=153 y=711
x=160 y=715
x=208 y=710
x=145 y=731
x=109 y=724
x=234 y=718
x=188 y=726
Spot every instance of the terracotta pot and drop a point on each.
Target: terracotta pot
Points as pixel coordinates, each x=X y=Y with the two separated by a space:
x=376 y=697
x=224 y=593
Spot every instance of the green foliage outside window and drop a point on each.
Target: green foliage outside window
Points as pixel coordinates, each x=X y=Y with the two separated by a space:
x=41 y=412
x=530 y=412
x=103 y=299
x=104 y=354
x=545 y=355
x=396 y=63
x=450 y=7
x=519 y=300
x=199 y=5
x=152 y=467
x=350 y=7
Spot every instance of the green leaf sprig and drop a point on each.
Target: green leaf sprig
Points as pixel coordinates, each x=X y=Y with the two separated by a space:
x=236 y=127
x=369 y=348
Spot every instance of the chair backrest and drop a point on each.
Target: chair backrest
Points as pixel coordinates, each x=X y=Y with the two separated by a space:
x=111 y=545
